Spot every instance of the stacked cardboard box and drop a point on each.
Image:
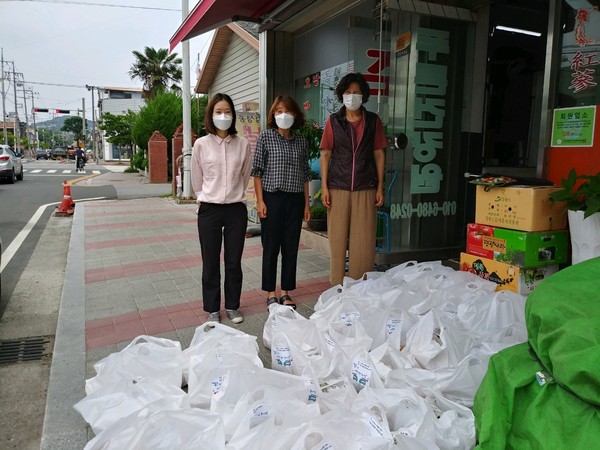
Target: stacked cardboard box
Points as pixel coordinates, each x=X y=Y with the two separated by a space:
x=519 y=238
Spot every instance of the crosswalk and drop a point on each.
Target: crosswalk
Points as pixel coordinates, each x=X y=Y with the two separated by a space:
x=61 y=172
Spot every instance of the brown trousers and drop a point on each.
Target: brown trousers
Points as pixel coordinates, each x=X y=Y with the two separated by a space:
x=351 y=225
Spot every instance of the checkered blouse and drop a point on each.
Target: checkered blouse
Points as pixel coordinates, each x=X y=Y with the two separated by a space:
x=282 y=164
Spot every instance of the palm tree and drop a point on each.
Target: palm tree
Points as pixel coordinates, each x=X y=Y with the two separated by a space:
x=157 y=69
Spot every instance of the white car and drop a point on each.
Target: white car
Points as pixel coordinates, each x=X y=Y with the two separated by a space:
x=11 y=166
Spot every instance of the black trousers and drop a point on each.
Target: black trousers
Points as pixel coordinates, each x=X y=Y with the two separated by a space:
x=216 y=224
x=280 y=232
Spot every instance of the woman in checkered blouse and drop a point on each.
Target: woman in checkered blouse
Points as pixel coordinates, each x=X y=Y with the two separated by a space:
x=281 y=175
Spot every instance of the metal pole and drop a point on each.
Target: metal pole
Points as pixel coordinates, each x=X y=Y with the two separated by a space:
x=83 y=124
x=187 y=118
x=3 y=100
x=94 y=145
x=17 y=123
x=26 y=118
x=35 y=134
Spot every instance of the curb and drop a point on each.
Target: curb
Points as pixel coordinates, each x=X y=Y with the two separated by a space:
x=64 y=428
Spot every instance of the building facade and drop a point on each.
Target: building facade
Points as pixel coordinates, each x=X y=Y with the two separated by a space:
x=467 y=86
x=117 y=101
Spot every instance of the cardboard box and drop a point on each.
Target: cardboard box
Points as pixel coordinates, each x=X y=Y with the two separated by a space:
x=521 y=248
x=525 y=208
x=507 y=276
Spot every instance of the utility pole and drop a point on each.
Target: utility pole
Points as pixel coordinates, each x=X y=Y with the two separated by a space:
x=26 y=118
x=187 y=117
x=17 y=128
x=94 y=144
x=3 y=98
x=83 y=124
x=35 y=135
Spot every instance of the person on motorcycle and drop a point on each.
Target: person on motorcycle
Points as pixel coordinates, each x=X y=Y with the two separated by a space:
x=80 y=159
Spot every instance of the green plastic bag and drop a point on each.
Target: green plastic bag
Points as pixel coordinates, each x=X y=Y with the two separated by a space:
x=544 y=394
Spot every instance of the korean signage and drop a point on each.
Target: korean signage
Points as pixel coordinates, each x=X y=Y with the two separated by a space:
x=248 y=125
x=431 y=83
x=580 y=58
x=573 y=127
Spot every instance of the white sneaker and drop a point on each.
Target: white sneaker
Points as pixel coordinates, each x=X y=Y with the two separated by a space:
x=234 y=315
x=213 y=319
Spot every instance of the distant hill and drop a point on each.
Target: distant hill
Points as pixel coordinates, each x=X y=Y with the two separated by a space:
x=57 y=123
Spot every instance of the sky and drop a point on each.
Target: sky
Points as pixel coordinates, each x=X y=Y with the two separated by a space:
x=76 y=43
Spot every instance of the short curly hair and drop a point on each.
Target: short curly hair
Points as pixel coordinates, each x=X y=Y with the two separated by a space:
x=349 y=79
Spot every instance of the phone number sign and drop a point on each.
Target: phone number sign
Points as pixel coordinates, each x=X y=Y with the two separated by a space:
x=573 y=127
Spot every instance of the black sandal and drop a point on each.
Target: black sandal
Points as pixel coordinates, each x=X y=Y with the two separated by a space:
x=288 y=299
x=271 y=300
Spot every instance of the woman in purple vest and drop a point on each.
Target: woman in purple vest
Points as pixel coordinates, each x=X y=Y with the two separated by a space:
x=352 y=166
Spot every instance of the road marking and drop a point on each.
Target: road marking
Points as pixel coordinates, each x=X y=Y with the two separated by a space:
x=36 y=171
x=50 y=171
x=96 y=172
x=67 y=171
x=14 y=246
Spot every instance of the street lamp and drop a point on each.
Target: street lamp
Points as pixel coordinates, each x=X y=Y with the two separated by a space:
x=94 y=141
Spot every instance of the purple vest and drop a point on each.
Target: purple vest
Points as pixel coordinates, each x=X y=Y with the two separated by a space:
x=352 y=167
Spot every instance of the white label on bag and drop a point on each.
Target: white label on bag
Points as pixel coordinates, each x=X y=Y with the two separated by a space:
x=260 y=411
x=283 y=356
x=392 y=325
x=376 y=429
x=361 y=372
x=350 y=317
x=219 y=358
x=330 y=342
x=217 y=384
x=326 y=446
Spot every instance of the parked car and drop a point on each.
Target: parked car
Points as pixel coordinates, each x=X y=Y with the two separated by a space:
x=41 y=153
x=11 y=166
x=59 y=152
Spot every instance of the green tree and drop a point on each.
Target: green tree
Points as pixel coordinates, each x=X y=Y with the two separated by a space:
x=159 y=70
x=74 y=125
x=198 y=111
x=118 y=128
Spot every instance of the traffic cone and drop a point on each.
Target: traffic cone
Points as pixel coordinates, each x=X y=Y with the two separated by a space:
x=67 y=205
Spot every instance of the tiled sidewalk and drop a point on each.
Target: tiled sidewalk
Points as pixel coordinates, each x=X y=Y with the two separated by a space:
x=143 y=272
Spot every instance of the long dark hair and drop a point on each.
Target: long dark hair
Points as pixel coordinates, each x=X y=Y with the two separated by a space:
x=290 y=105
x=347 y=80
x=209 y=125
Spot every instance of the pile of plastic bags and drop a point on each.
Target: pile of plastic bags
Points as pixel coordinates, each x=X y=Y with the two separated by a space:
x=391 y=361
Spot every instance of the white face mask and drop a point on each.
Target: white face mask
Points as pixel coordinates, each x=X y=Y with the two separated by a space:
x=284 y=120
x=222 y=121
x=352 y=101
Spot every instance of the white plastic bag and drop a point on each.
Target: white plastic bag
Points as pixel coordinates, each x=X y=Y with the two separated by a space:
x=215 y=341
x=146 y=356
x=113 y=402
x=163 y=425
x=280 y=318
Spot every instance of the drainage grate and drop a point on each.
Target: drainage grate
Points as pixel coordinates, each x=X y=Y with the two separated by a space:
x=23 y=350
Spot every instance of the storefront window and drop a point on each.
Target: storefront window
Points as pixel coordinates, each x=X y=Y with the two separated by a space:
x=415 y=66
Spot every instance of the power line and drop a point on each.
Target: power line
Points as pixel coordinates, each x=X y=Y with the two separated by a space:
x=94 y=4
x=55 y=84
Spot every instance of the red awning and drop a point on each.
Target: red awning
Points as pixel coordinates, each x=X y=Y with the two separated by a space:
x=210 y=14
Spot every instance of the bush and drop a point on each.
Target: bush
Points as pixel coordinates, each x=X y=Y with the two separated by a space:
x=139 y=161
x=318 y=211
x=131 y=170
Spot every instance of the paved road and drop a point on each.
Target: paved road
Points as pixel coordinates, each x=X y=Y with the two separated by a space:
x=34 y=285
x=25 y=208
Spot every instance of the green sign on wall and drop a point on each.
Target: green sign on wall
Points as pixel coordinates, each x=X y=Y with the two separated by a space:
x=573 y=127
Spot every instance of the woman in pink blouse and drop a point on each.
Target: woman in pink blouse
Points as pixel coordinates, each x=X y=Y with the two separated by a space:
x=221 y=163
